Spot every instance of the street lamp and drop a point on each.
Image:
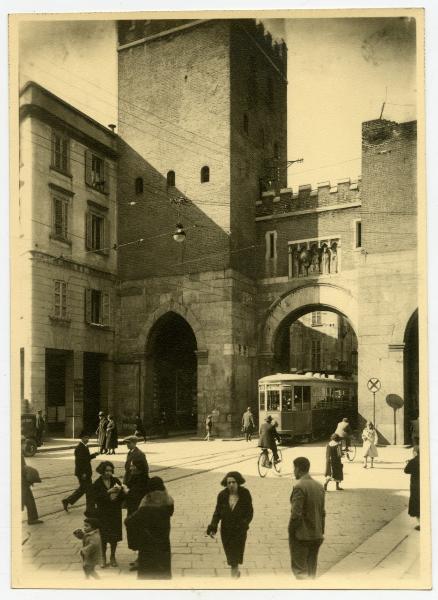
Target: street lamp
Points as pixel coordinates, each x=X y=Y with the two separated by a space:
x=179 y=235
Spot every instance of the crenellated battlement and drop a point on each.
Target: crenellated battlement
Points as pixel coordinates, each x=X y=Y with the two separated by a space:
x=275 y=49
x=303 y=198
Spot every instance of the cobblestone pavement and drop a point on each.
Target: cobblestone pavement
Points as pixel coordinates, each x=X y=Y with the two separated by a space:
x=193 y=470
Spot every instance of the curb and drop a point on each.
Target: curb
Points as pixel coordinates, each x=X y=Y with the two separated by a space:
x=377 y=549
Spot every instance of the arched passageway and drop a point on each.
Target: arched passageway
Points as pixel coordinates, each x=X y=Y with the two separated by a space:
x=171 y=351
x=316 y=338
x=411 y=375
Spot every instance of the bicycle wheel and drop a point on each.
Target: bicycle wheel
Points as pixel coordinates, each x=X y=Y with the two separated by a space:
x=261 y=464
x=277 y=466
x=351 y=452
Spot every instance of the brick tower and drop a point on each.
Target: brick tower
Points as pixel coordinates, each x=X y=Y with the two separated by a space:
x=202 y=122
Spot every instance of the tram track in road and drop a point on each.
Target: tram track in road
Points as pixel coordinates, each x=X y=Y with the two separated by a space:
x=171 y=466
x=217 y=458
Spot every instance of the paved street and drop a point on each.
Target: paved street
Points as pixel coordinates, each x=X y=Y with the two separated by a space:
x=372 y=499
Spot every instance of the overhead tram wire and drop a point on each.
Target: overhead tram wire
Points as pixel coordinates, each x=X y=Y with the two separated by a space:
x=167 y=131
x=142 y=108
x=161 y=190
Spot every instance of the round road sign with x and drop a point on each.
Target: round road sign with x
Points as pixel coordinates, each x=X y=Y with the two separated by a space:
x=374 y=384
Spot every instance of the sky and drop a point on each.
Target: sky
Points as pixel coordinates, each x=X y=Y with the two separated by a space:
x=340 y=71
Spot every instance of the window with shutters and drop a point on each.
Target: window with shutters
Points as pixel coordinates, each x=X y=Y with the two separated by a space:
x=96 y=172
x=97 y=307
x=60 y=218
x=316 y=318
x=60 y=300
x=60 y=152
x=97 y=237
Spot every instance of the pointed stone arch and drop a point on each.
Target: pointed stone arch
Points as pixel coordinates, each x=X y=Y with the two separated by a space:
x=181 y=310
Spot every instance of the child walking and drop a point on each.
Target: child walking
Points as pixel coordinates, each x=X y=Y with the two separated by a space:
x=91 y=552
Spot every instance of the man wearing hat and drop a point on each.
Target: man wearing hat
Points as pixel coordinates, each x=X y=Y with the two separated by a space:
x=248 y=424
x=83 y=472
x=136 y=454
x=268 y=436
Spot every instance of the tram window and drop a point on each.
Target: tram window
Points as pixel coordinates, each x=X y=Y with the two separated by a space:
x=262 y=399
x=298 y=397
x=306 y=397
x=273 y=399
x=286 y=399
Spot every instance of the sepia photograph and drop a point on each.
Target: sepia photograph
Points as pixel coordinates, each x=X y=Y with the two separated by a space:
x=218 y=300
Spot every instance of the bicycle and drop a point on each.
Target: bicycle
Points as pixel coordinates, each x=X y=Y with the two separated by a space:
x=349 y=452
x=266 y=461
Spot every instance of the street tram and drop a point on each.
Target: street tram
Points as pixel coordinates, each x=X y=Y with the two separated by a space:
x=307 y=406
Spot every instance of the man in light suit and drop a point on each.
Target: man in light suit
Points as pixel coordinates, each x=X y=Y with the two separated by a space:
x=307 y=521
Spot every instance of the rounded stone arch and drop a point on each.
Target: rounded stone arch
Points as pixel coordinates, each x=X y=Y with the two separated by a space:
x=406 y=313
x=181 y=310
x=299 y=301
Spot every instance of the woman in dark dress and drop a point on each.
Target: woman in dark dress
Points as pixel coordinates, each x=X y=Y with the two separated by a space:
x=413 y=469
x=138 y=485
x=334 y=469
x=149 y=531
x=111 y=435
x=234 y=510
x=107 y=495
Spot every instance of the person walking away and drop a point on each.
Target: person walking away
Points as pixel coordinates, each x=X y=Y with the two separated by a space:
x=208 y=427
x=140 y=431
x=40 y=426
x=248 y=424
x=149 y=529
x=111 y=442
x=27 y=499
x=83 y=473
x=108 y=496
x=163 y=424
x=134 y=453
x=413 y=469
x=307 y=521
x=344 y=431
x=334 y=469
x=101 y=432
x=91 y=551
x=138 y=485
x=369 y=438
x=234 y=511
x=268 y=437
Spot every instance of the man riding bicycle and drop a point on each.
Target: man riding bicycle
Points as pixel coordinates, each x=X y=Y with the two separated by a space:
x=344 y=431
x=268 y=437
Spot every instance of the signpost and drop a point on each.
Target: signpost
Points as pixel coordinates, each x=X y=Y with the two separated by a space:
x=395 y=402
x=374 y=386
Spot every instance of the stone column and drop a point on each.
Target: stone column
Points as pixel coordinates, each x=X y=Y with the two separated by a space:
x=74 y=392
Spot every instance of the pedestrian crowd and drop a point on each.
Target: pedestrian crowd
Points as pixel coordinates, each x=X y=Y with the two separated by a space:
x=150 y=507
